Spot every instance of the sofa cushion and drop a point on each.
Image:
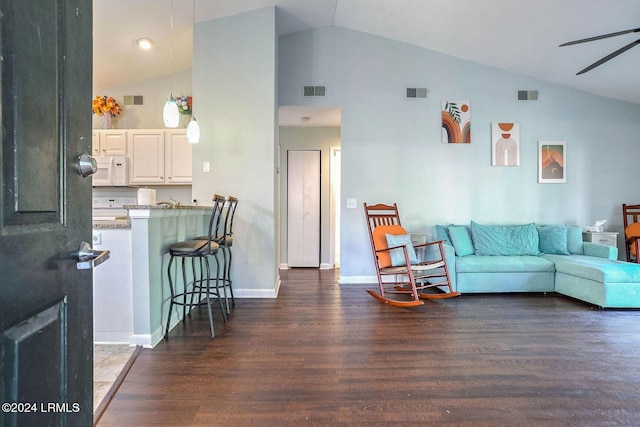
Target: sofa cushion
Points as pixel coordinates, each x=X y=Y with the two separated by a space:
x=597 y=269
x=574 y=240
x=442 y=233
x=461 y=240
x=553 y=239
x=503 y=264
x=397 y=255
x=505 y=239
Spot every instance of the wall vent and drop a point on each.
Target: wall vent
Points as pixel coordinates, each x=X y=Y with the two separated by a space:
x=314 y=91
x=133 y=100
x=527 y=95
x=417 y=92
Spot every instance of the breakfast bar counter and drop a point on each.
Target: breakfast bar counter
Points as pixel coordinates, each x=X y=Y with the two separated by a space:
x=153 y=230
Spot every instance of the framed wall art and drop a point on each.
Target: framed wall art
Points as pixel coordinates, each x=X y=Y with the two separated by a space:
x=456 y=122
x=552 y=162
x=505 y=144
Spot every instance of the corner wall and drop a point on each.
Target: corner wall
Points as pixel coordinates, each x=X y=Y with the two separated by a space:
x=391 y=149
x=234 y=92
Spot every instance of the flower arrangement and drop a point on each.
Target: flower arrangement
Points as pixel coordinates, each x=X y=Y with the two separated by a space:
x=106 y=104
x=184 y=104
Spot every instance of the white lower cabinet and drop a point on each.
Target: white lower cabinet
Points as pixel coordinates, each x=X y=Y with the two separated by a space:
x=112 y=288
x=159 y=156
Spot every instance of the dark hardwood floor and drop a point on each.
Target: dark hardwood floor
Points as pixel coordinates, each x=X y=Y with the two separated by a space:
x=324 y=354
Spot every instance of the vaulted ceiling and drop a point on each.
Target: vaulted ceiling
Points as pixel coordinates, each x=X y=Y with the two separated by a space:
x=520 y=36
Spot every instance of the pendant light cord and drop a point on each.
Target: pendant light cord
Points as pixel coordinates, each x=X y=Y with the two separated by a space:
x=171 y=47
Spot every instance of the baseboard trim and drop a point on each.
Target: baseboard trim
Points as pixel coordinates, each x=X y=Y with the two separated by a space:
x=357 y=280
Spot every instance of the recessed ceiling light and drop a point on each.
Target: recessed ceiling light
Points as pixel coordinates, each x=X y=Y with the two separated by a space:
x=144 y=43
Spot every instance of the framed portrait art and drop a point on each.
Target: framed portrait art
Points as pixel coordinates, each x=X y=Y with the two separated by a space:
x=552 y=162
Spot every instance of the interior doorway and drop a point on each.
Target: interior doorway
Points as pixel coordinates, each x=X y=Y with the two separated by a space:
x=320 y=131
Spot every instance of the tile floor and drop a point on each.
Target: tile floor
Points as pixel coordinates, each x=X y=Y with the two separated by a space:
x=108 y=361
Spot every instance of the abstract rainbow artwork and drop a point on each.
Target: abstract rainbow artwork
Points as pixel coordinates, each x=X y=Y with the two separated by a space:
x=552 y=162
x=505 y=144
x=456 y=122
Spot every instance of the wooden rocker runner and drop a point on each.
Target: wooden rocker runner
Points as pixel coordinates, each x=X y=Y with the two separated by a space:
x=393 y=251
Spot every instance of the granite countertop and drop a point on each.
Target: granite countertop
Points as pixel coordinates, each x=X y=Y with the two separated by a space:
x=164 y=206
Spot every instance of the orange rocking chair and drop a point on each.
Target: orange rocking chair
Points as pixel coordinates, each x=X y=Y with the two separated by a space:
x=401 y=272
x=630 y=214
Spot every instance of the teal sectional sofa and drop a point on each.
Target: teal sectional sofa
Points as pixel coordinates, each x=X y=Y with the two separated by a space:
x=529 y=258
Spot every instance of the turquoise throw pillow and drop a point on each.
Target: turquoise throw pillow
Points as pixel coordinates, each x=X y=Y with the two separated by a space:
x=397 y=255
x=461 y=240
x=442 y=233
x=505 y=239
x=553 y=239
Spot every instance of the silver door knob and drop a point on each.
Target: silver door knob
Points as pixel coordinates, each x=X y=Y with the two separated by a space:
x=89 y=258
x=87 y=165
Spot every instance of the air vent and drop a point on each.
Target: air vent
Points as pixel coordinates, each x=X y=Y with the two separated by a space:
x=417 y=92
x=527 y=95
x=133 y=100
x=314 y=91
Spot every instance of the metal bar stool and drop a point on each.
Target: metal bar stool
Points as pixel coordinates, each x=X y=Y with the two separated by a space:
x=224 y=240
x=201 y=249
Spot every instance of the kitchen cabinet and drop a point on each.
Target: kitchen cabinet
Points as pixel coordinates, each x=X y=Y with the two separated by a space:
x=177 y=158
x=109 y=142
x=159 y=157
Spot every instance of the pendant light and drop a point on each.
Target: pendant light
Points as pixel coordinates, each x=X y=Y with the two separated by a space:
x=193 y=129
x=170 y=113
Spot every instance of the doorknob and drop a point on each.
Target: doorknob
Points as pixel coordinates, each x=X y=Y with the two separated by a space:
x=89 y=258
x=87 y=165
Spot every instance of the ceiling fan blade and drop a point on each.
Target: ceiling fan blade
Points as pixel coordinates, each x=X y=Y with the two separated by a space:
x=604 y=36
x=609 y=57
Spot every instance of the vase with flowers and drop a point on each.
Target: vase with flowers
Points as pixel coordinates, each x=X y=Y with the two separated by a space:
x=107 y=108
x=184 y=108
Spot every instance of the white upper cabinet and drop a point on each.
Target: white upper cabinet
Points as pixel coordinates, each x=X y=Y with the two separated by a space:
x=109 y=142
x=178 y=164
x=159 y=156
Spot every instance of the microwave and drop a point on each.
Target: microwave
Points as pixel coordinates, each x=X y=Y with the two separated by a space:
x=112 y=171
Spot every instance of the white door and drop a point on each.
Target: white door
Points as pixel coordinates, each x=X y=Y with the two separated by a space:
x=303 y=208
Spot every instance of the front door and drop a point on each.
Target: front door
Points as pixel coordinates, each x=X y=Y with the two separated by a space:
x=45 y=213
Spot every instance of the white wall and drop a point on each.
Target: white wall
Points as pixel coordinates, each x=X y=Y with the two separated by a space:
x=155 y=92
x=391 y=149
x=234 y=79
x=309 y=138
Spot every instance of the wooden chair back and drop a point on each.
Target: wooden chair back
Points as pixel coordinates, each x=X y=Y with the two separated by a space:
x=630 y=215
x=381 y=214
x=630 y=212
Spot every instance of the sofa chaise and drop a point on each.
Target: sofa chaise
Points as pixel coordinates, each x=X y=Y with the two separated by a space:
x=529 y=258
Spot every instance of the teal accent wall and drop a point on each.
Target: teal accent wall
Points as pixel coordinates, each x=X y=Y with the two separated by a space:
x=391 y=149
x=235 y=103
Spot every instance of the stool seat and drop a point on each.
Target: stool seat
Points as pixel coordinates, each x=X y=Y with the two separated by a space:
x=197 y=247
x=222 y=240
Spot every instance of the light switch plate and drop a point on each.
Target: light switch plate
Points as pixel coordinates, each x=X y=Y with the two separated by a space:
x=206 y=167
x=351 y=203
